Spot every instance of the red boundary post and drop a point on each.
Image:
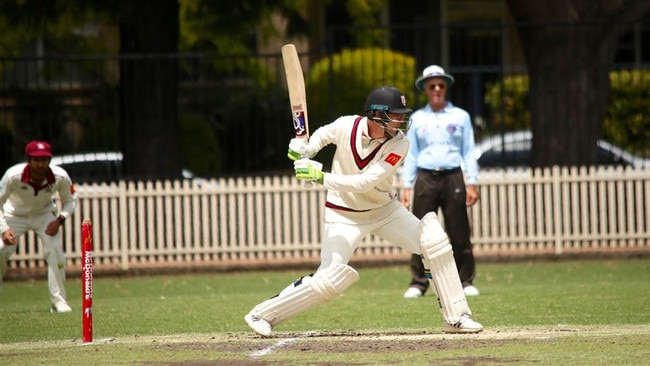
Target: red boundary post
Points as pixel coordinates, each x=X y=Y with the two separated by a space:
x=87 y=279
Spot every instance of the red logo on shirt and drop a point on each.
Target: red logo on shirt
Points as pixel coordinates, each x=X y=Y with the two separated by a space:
x=392 y=159
x=72 y=190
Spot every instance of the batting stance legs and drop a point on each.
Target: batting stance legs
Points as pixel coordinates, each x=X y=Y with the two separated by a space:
x=334 y=276
x=52 y=252
x=304 y=294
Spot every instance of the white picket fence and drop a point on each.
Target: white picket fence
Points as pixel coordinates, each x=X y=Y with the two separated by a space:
x=274 y=221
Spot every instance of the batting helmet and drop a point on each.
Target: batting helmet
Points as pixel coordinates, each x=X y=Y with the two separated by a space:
x=386 y=99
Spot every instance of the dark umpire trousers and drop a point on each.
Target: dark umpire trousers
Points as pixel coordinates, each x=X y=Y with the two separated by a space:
x=445 y=190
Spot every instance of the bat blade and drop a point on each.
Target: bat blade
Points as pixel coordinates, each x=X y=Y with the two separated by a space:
x=296 y=88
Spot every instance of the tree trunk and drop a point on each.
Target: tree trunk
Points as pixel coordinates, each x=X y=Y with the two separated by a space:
x=568 y=91
x=568 y=65
x=150 y=129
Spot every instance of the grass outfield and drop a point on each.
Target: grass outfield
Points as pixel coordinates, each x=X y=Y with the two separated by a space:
x=538 y=313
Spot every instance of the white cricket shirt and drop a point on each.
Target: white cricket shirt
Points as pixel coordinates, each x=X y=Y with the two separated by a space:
x=20 y=197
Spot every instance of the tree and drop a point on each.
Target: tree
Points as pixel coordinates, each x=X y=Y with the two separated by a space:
x=570 y=47
x=149 y=33
x=150 y=133
x=236 y=26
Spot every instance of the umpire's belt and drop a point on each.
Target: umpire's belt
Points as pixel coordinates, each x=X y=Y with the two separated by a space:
x=439 y=172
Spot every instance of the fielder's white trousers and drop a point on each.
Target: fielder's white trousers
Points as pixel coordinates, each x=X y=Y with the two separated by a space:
x=52 y=251
x=341 y=236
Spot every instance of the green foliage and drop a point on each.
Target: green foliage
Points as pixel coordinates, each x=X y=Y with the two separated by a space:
x=231 y=27
x=12 y=43
x=77 y=26
x=515 y=103
x=239 y=117
x=626 y=122
x=200 y=30
x=365 y=15
x=62 y=27
x=94 y=126
x=201 y=149
x=260 y=130
x=96 y=135
x=237 y=70
x=350 y=76
x=39 y=114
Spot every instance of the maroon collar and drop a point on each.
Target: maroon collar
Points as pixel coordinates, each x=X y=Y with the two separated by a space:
x=26 y=178
x=361 y=162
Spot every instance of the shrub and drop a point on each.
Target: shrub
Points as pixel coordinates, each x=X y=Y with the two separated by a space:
x=338 y=85
x=201 y=149
x=515 y=102
x=627 y=122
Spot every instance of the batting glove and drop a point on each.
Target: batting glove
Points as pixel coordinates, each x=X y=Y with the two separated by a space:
x=298 y=148
x=309 y=170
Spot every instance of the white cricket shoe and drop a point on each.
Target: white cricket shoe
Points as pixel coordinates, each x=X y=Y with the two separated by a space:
x=471 y=290
x=60 y=307
x=412 y=293
x=259 y=325
x=464 y=325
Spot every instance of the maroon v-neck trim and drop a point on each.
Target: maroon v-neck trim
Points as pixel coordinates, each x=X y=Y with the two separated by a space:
x=359 y=161
x=27 y=179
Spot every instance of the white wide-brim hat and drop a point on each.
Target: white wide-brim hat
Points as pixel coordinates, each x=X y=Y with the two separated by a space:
x=433 y=71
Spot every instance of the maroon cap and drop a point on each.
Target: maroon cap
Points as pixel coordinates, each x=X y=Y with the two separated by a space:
x=38 y=148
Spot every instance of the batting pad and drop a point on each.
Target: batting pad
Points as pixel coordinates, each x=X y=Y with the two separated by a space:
x=303 y=295
x=438 y=256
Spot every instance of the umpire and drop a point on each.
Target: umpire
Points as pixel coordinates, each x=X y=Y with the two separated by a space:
x=442 y=140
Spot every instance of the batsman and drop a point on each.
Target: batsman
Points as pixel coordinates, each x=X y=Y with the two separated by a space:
x=360 y=201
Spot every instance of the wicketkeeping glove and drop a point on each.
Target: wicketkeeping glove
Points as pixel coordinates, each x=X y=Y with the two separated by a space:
x=298 y=148
x=309 y=170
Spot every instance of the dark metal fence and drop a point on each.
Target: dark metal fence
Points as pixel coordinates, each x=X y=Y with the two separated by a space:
x=238 y=105
x=74 y=103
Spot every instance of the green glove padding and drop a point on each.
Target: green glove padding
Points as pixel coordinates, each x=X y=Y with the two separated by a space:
x=309 y=170
x=293 y=155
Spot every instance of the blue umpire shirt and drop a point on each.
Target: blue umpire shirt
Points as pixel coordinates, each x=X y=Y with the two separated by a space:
x=440 y=141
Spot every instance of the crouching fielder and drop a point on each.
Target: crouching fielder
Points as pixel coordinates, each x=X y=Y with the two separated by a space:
x=369 y=148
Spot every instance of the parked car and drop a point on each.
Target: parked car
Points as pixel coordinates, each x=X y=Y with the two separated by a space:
x=97 y=167
x=513 y=149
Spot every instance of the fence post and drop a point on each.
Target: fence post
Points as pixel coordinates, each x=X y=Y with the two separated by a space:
x=557 y=208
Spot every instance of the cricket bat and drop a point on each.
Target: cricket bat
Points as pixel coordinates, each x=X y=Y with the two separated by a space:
x=296 y=87
x=297 y=94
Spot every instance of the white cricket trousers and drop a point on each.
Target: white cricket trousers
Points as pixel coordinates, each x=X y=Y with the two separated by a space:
x=393 y=223
x=52 y=251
